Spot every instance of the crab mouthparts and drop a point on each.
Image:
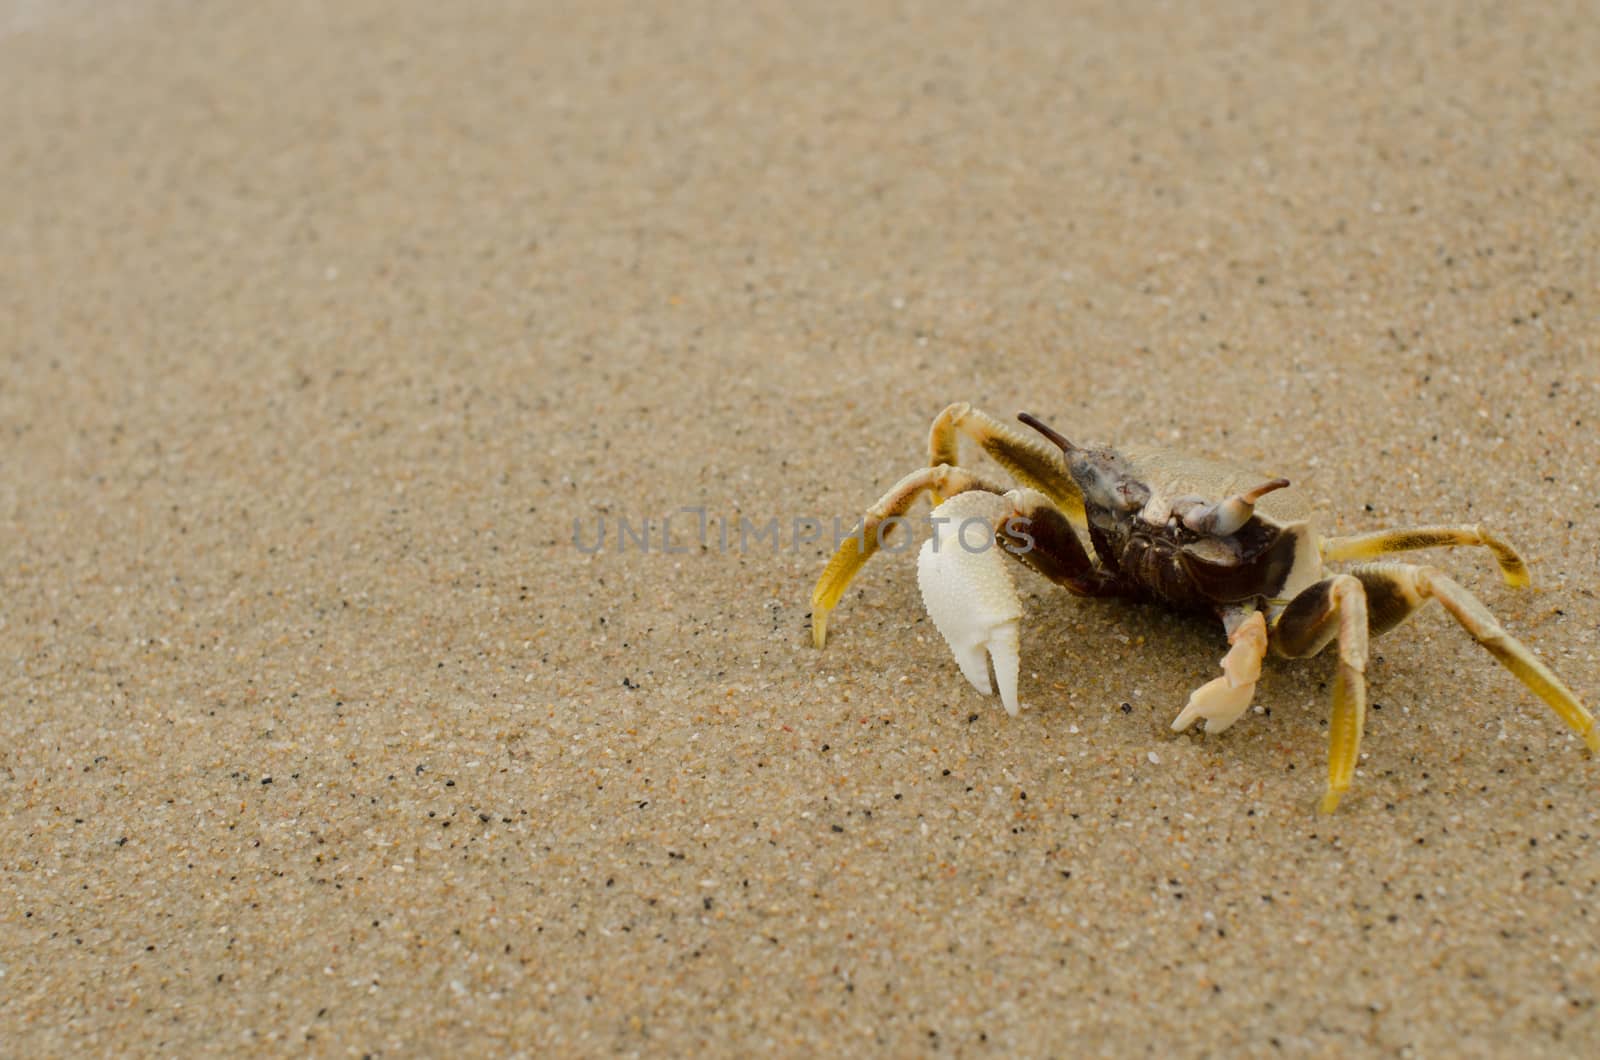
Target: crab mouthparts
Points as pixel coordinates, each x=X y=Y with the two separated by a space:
x=1045 y=429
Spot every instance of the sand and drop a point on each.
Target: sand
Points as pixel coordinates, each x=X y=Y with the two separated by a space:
x=324 y=324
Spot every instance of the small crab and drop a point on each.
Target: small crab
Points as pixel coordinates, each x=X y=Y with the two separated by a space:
x=1194 y=534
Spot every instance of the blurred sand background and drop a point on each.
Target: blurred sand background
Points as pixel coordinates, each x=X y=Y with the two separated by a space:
x=321 y=324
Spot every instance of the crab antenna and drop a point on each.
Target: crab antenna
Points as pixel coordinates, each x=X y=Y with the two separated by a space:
x=1049 y=432
x=1228 y=516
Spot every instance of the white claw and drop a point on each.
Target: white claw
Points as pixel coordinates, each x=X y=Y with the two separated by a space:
x=969 y=593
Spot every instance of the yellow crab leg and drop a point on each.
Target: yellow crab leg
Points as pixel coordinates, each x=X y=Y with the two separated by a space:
x=1334 y=608
x=1409 y=539
x=875 y=526
x=1397 y=589
x=1030 y=461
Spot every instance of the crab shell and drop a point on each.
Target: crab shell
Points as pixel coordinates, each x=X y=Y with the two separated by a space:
x=1272 y=556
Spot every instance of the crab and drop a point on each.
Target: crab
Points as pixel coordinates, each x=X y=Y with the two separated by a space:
x=1194 y=534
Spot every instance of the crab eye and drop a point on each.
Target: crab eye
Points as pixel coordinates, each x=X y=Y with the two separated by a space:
x=1104 y=481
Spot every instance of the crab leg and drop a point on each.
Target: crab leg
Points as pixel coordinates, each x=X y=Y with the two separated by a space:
x=1038 y=534
x=875 y=526
x=1398 y=589
x=1034 y=464
x=1335 y=607
x=1222 y=700
x=1389 y=542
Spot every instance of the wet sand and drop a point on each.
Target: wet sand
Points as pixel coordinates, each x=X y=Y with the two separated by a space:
x=326 y=326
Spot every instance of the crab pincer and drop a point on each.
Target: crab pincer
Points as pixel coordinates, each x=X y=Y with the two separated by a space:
x=969 y=594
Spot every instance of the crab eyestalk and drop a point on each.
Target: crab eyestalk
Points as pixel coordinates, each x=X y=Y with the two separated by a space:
x=1226 y=517
x=1045 y=429
x=1104 y=477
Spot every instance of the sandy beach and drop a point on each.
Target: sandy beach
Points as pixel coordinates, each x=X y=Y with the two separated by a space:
x=333 y=337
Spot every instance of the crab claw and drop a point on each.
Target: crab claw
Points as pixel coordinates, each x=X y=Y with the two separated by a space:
x=969 y=593
x=1218 y=702
x=1222 y=700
